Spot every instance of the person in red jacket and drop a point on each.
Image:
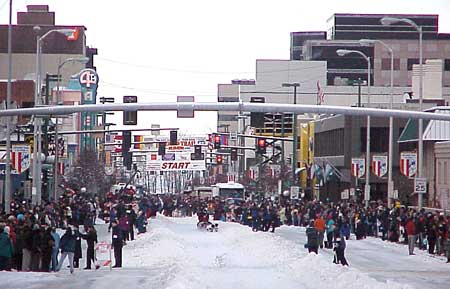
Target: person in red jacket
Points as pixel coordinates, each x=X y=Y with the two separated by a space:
x=411 y=232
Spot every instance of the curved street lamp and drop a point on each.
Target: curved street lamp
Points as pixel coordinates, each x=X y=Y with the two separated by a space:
x=391 y=119
x=392 y=20
x=82 y=60
x=343 y=52
x=36 y=189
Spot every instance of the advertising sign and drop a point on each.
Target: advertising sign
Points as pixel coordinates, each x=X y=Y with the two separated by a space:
x=174 y=162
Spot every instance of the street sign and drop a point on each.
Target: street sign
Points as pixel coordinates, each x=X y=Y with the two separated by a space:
x=295 y=192
x=420 y=185
x=345 y=194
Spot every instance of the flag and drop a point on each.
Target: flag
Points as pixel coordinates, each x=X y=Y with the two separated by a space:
x=74 y=35
x=320 y=94
x=318 y=172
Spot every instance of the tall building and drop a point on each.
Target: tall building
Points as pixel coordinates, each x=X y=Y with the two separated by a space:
x=345 y=31
x=56 y=48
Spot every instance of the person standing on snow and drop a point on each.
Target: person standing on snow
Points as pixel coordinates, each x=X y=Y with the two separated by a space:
x=55 y=250
x=340 y=251
x=117 y=243
x=6 y=249
x=67 y=245
x=78 y=252
x=91 y=240
x=411 y=232
x=312 y=238
x=330 y=227
x=319 y=224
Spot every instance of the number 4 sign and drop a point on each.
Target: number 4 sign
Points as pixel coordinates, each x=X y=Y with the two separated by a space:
x=420 y=185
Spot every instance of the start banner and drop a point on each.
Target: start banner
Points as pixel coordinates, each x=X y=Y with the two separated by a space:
x=166 y=166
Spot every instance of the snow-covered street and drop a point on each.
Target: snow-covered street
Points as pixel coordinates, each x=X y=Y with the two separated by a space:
x=175 y=255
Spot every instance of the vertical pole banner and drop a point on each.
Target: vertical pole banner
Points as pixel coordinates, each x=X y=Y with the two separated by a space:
x=88 y=79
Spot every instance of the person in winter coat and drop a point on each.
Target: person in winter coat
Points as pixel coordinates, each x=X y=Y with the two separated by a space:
x=432 y=234
x=55 y=250
x=330 y=227
x=78 y=254
x=344 y=231
x=27 y=247
x=6 y=249
x=131 y=214
x=91 y=240
x=410 y=228
x=141 y=222
x=47 y=244
x=312 y=238
x=117 y=243
x=340 y=251
x=319 y=224
x=124 y=225
x=36 y=248
x=18 y=246
x=67 y=246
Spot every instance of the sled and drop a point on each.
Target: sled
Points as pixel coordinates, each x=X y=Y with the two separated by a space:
x=207 y=226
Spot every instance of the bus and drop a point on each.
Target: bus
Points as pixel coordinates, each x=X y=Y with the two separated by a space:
x=229 y=190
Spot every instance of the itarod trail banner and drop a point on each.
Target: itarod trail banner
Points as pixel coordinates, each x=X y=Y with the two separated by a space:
x=408 y=164
x=379 y=165
x=358 y=167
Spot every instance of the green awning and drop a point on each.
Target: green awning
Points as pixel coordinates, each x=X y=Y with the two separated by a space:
x=411 y=131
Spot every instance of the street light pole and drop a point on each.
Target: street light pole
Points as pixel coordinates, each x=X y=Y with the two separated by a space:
x=294 y=133
x=58 y=101
x=342 y=52
x=390 y=21
x=390 y=192
x=7 y=200
x=36 y=189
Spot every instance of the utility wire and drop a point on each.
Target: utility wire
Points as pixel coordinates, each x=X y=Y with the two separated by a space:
x=201 y=71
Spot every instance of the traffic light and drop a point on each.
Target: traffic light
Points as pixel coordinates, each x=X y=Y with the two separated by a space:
x=261 y=145
x=162 y=148
x=219 y=159
x=217 y=141
x=173 y=137
x=130 y=117
x=126 y=145
x=234 y=155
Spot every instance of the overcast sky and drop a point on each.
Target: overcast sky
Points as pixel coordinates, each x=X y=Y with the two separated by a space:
x=160 y=49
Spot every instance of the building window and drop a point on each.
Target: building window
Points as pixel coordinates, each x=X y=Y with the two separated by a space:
x=228 y=99
x=226 y=117
x=412 y=61
x=378 y=137
x=447 y=64
x=386 y=64
x=329 y=143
